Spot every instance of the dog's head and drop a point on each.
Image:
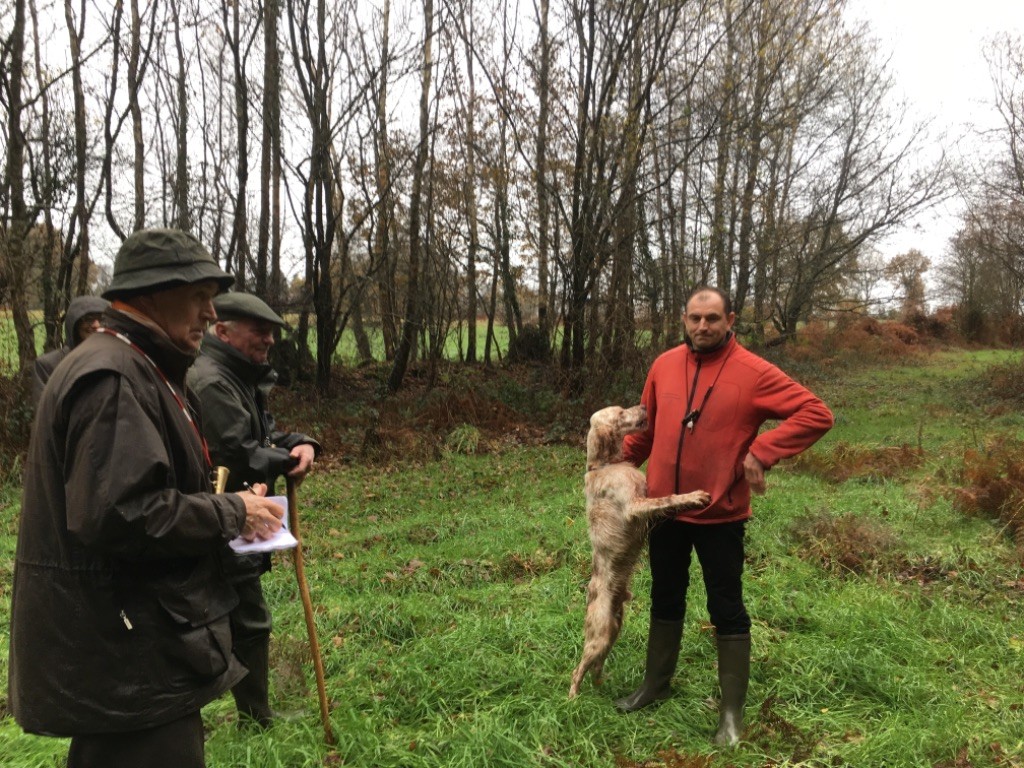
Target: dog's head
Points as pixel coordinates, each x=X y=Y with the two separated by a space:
x=607 y=428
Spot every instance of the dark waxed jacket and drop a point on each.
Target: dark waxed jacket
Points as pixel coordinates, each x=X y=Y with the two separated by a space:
x=119 y=610
x=239 y=429
x=79 y=307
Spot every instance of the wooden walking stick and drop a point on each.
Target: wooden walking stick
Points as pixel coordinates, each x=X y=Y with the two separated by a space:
x=307 y=606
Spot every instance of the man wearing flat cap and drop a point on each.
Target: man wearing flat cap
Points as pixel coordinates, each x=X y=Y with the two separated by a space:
x=232 y=380
x=119 y=612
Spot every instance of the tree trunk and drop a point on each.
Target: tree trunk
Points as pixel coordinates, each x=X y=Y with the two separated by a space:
x=270 y=163
x=20 y=221
x=470 y=183
x=239 y=245
x=412 y=320
x=183 y=217
x=385 y=255
x=134 y=89
x=543 y=204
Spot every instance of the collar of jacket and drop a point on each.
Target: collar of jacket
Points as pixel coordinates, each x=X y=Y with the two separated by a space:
x=245 y=369
x=171 y=360
x=708 y=355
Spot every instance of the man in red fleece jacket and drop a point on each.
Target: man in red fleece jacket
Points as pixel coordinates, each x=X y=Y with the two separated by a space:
x=706 y=400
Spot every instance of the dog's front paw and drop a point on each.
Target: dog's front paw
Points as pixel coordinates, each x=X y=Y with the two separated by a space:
x=694 y=500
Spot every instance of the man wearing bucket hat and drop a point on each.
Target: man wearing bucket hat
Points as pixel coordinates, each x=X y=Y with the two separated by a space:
x=119 y=610
x=232 y=380
x=80 y=322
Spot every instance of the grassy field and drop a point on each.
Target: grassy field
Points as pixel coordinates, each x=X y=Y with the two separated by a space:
x=450 y=600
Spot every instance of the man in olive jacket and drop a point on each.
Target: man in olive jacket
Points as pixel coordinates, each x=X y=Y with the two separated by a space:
x=119 y=608
x=232 y=380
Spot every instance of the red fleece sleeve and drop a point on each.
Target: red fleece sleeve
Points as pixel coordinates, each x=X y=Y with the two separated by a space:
x=803 y=417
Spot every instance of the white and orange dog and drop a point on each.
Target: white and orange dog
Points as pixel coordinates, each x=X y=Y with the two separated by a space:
x=619 y=515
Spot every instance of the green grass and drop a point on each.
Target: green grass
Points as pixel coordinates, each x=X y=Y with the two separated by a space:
x=345 y=354
x=450 y=601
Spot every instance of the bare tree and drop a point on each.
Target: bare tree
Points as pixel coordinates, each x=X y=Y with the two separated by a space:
x=411 y=323
x=182 y=212
x=605 y=36
x=239 y=40
x=13 y=271
x=269 y=238
x=543 y=78
x=848 y=174
x=138 y=56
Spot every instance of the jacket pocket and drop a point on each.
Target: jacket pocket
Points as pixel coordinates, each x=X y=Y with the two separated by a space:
x=204 y=651
x=196 y=603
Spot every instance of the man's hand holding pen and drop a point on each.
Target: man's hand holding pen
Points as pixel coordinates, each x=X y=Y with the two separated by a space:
x=262 y=516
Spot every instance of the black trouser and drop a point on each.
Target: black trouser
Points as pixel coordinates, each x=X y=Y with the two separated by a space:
x=250 y=641
x=178 y=744
x=719 y=548
x=251 y=620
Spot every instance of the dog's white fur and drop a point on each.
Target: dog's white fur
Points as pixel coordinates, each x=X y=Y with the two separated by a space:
x=619 y=515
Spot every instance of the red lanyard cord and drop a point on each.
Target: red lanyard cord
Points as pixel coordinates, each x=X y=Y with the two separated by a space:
x=170 y=387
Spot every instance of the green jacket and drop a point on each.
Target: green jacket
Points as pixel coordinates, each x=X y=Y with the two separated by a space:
x=238 y=427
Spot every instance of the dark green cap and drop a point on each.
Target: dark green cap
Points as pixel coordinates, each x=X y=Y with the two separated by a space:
x=234 y=306
x=151 y=260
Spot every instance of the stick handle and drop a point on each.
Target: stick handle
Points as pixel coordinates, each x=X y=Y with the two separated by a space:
x=307 y=607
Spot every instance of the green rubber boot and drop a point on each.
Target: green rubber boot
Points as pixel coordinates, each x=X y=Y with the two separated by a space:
x=663 y=640
x=733 y=678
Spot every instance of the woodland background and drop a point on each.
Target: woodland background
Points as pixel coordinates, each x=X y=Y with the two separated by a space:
x=562 y=170
x=481 y=221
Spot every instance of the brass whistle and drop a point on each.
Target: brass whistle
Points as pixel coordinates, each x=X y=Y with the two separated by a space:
x=219 y=477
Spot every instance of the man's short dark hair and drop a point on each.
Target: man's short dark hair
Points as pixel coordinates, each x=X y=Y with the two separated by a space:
x=726 y=301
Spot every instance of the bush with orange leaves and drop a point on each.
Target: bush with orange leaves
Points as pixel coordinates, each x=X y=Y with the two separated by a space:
x=855 y=341
x=991 y=484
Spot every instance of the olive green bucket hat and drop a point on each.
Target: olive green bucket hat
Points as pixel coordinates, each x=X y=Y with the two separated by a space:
x=151 y=260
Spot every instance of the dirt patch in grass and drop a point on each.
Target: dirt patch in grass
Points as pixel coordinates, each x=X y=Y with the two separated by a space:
x=668 y=758
x=771 y=727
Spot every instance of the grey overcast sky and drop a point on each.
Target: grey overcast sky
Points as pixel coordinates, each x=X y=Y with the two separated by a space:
x=939 y=66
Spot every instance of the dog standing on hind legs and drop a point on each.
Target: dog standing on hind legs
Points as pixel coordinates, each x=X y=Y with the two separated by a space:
x=619 y=515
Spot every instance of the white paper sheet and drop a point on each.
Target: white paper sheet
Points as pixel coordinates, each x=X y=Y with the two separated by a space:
x=283 y=539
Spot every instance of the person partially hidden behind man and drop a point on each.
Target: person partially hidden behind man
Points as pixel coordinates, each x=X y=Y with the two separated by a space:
x=232 y=380
x=80 y=322
x=706 y=401
x=119 y=627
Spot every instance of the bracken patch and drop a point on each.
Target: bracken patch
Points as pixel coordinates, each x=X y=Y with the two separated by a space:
x=991 y=484
x=847 y=544
x=845 y=462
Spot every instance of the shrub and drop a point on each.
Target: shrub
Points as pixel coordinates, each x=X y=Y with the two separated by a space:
x=531 y=345
x=15 y=427
x=846 y=544
x=465 y=439
x=859 y=462
x=939 y=326
x=1003 y=382
x=991 y=484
